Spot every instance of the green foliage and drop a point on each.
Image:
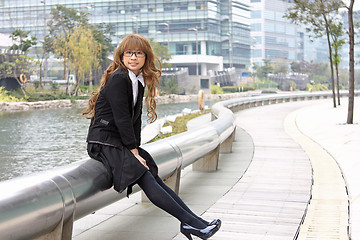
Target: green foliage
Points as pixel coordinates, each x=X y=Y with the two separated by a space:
x=269 y=91
x=315 y=15
x=230 y=89
x=215 y=89
x=19 y=64
x=320 y=78
x=246 y=87
x=6 y=97
x=295 y=67
x=265 y=84
x=79 y=43
x=179 y=126
x=25 y=41
x=316 y=87
x=280 y=66
x=36 y=84
x=54 y=86
x=84 y=88
x=102 y=34
x=84 y=54
x=169 y=86
x=35 y=95
x=162 y=52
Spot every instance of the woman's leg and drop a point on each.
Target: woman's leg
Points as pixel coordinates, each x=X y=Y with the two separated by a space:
x=178 y=199
x=162 y=199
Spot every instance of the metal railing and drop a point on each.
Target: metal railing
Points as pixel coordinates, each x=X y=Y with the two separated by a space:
x=44 y=205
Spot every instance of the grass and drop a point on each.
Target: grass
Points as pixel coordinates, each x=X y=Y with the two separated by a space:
x=179 y=126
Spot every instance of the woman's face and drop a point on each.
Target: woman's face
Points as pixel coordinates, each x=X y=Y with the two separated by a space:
x=134 y=60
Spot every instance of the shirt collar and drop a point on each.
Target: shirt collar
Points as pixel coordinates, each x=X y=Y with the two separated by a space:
x=135 y=78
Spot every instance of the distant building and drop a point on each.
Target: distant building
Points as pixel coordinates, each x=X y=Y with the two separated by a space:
x=202 y=35
x=345 y=49
x=276 y=38
x=5 y=41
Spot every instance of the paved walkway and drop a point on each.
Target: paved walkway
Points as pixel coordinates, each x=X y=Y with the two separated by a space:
x=262 y=189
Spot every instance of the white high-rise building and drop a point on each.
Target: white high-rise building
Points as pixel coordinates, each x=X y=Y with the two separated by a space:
x=276 y=38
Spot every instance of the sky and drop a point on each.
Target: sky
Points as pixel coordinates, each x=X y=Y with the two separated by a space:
x=356 y=4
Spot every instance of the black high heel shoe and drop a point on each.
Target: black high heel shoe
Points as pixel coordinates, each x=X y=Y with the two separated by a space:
x=216 y=222
x=204 y=233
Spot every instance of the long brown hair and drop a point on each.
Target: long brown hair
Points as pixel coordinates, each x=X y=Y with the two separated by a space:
x=150 y=73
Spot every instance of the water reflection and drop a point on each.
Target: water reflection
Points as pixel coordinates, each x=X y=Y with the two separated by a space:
x=38 y=140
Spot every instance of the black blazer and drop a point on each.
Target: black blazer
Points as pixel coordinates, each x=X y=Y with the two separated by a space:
x=117 y=122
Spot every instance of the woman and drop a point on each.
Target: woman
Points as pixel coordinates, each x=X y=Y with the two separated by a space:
x=114 y=133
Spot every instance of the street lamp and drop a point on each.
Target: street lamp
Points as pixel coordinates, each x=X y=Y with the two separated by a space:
x=168 y=32
x=197 y=61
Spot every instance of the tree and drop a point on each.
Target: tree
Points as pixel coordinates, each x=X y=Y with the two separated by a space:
x=84 y=55
x=18 y=67
x=162 y=52
x=295 y=67
x=350 y=116
x=337 y=43
x=63 y=21
x=102 y=34
x=307 y=13
x=254 y=71
x=281 y=66
x=266 y=68
x=23 y=39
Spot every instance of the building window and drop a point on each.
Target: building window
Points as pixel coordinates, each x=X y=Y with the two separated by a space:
x=256 y=40
x=204 y=83
x=269 y=15
x=269 y=27
x=291 y=55
x=256 y=14
x=256 y=27
x=256 y=53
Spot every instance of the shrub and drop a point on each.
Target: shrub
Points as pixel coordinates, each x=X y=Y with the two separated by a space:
x=54 y=86
x=266 y=84
x=5 y=97
x=215 y=89
x=269 y=91
x=230 y=89
x=316 y=87
x=244 y=87
x=36 y=84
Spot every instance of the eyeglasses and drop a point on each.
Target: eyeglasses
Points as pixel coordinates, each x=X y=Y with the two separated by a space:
x=139 y=54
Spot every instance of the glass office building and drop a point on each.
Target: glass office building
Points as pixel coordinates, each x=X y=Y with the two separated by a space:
x=209 y=35
x=276 y=38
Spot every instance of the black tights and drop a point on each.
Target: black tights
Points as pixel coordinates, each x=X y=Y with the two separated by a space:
x=163 y=197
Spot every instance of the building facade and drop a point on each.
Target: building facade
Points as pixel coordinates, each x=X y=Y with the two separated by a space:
x=202 y=35
x=276 y=38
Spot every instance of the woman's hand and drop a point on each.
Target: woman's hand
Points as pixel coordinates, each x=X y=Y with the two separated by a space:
x=141 y=160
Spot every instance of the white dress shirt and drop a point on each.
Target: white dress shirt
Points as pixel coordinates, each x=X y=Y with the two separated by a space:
x=135 y=79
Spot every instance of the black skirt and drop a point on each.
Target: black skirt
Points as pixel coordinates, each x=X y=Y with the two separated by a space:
x=122 y=165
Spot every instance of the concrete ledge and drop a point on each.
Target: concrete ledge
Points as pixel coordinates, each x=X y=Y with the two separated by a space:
x=208 y=163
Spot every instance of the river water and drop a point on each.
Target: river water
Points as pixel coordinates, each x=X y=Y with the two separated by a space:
x=38 y=140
